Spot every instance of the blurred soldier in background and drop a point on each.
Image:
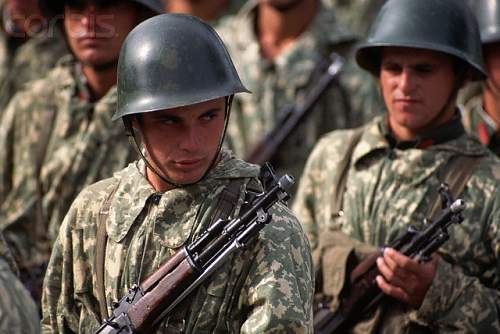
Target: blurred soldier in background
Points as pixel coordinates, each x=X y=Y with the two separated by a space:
x=481 y=101
x=29 y=46
x=373 y=183
x=18 y=311
x=214 y=12
x=57 y=135
x=281 y=50
x=358 y=15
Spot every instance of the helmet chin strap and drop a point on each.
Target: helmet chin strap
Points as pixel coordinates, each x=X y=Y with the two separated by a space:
x=157 y=171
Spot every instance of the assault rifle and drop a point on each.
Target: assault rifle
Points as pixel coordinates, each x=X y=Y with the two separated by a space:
x=147 y=304
x=363 y=294
x=291 y=117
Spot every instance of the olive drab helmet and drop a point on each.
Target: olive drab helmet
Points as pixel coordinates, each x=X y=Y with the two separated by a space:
x=446 y=26
x=488 y=16
x=170 y=61
x=56 y=7
x=173 y=60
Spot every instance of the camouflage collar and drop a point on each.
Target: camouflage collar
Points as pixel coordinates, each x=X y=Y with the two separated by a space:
x=135 y=193
x=296 y=64
x=374 y=144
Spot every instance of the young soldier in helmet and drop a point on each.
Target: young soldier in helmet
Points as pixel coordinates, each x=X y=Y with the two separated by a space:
x=393 y=167
x=481 y=101
x=175 y=86
x=57 y=135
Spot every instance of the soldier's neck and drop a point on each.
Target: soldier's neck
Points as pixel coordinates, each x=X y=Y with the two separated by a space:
x=279 y=29
x=99 y=80
x=207 y=10
x=491 y=104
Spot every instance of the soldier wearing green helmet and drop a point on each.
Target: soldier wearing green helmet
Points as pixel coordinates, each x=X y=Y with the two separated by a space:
x=57 y=135
x=481 y=101
x=368 y=185
x=175 y=86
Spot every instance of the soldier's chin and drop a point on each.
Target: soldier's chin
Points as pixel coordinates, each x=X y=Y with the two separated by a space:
x=100 y=65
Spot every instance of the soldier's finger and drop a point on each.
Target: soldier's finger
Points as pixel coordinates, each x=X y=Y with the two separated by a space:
x=389 y=274
x=392 y=290
x=399 y=260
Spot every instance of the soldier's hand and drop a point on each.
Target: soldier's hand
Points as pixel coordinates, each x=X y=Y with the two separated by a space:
x=404 y=278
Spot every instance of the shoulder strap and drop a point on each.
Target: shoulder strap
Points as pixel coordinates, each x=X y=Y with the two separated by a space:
x=456 y=172
x=340 y=179
x=100 y=254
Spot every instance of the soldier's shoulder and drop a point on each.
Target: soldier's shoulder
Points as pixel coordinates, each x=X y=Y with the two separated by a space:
x=334 y=142
x=49 y=86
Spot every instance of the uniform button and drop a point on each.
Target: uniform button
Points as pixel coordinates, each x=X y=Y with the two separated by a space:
x=156 y=199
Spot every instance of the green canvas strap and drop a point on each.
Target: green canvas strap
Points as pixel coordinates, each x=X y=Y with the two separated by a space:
x=340 y=178
x=456 y=172
x=100 y=254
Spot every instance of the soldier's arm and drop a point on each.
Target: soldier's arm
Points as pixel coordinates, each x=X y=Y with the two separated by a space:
x=7 y=122
x=60 y=313
x=278 y=289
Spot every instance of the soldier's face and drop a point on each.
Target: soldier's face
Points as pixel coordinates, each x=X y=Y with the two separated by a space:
x=95 y=33
x=182 y=142
x=416 y=85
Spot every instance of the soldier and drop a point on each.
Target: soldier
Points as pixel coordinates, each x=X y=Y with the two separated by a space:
x=281 y=49
x=392 y=167
x=174 y=99
x=57 y=135
x=32 y=47
x=213 y=11
x=481 y=102
x=18 y=312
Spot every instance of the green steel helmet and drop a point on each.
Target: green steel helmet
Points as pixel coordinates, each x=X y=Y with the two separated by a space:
x=446 y=26
x=173 y=60
x=488 y=16
x=52 y=8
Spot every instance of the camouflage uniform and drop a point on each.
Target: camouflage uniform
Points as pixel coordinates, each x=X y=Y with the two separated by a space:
x=55 y=141
x=266 y=288
x=286 y=81
x=32 y=60
x=18 y=312
x=389 y=189
x=358 y=15
x=475 y=119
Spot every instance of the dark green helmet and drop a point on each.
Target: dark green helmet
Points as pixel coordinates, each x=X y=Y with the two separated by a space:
x=56 y=7
x=173 y=60
x=488 y=16
x=446 y=26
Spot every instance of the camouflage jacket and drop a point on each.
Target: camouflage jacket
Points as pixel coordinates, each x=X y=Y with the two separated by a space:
x=55 y=141
x=30 y=61
x=18 y=312
x=358 y=15
x=476 y=120
x=266 y=288
x=385 y=193
x=287 y=80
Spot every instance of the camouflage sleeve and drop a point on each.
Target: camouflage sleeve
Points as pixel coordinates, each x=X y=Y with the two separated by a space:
x=278 y=290
x=59 y=309
x=457 y=302
x=18 y=312
x=6 y=136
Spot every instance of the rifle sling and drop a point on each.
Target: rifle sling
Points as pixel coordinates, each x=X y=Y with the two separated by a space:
x=226 y=203
x=100 y=254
